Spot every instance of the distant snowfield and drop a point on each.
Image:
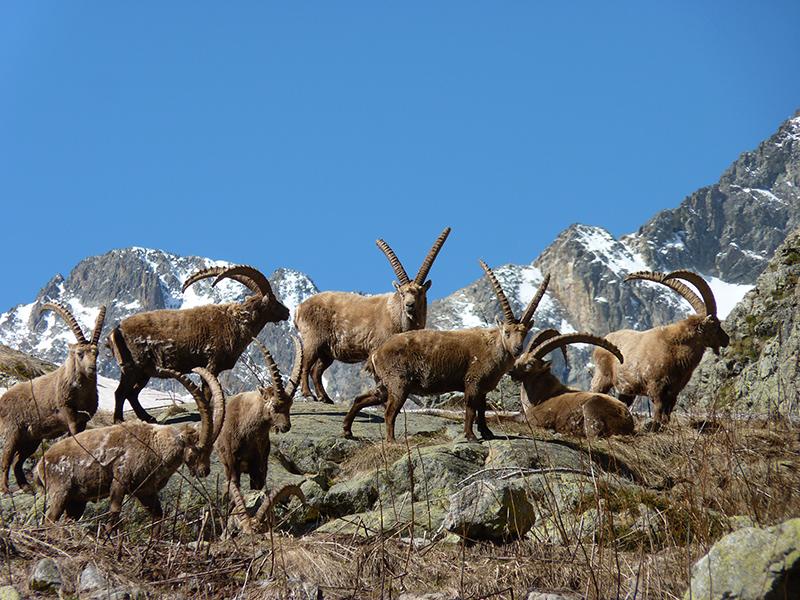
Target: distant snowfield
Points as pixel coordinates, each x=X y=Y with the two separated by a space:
x=727 y=295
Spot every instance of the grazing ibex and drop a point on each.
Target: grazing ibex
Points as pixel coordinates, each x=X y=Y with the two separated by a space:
x=51 y=404
x=548 y=403
x=346 y=327
x=243 y=444
x=659 y=362
x=211 y=336
x=434 y=362
x=130 y=458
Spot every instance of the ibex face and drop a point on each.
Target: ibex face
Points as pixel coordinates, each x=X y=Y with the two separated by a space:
x=513 y=336
x=196 y=460
x=82 y=358
x=413 y=298
x=277 y=397
x=713 y=336
x=269 y=305
x=278 y=408
x=528 y=367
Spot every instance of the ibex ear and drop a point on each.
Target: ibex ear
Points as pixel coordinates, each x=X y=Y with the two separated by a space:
x=396 y=285
x=427 y=285
x=497 y=321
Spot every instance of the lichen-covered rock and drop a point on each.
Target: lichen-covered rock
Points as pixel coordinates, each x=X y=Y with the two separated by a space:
x=490 y=509
x=350 y=496
x=750 y=564
x=92 y=579
x=529 y=453
x=392 y=516
x=9 y=592
x=46 y=576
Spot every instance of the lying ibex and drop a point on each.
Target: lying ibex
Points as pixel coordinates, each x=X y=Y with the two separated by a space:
x=51 y=404
x=347 y=327
x=130 y=458
x=243 y=444
x=434 y=362
x=659 y=362
x=548 y=403
x=211 y=336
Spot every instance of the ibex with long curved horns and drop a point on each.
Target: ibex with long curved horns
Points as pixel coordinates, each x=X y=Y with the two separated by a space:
x=211 y=336
x=52 y=404
x=548 y=403
x=346 y=327
x=243 y=444
x=130 y=458
x=434 y=362
x=659 y=362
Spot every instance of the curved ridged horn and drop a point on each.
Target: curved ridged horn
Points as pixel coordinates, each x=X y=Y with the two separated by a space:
x=422 y=274
x=527 y=316
x=294 y=378
x=575 y=338
x=498 y=291
x=697 y=303
x=702 y=287
x=210 y=432
x=290 y=489
x=274 y=372
x=215 y=272
x=202 y=404
x=98 y=325
x=62 y=311
x=542 y=337
x=397 y=266
x=241 y=273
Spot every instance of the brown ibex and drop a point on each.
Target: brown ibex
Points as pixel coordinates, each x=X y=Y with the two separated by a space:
x=548 y=403
x=434 y=362
x=346 y=327
x=211 y=336
x=659 y=362
x=130 y=458
x=51 y=404
x=243 y=444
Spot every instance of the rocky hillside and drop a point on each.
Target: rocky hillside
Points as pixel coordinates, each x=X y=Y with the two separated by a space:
x=759 y=372
x=17 y=366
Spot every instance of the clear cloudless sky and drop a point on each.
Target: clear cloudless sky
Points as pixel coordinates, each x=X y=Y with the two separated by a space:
x=296 y=133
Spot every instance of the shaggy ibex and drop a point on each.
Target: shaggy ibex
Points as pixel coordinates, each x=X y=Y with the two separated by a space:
x=660 y=361
x=548 y=403
x=130 y=458
x=434 y=362
x=347 y=327
x=51 y=404
x=243 y=444
x=211 y=336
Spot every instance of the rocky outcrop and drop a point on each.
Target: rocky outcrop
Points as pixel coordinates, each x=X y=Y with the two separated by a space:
x=16 y=366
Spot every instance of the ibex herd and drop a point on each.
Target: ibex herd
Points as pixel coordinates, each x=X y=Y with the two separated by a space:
x=387 y=331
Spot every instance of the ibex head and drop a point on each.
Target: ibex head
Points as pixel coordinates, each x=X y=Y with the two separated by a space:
x=277 y=398
x=83 y=354
x=263 y=297
x=513 y=331
x=413 y=294
x=198 y=443
x=707 y=326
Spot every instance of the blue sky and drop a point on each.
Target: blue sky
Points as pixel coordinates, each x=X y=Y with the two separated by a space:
x=295 y=133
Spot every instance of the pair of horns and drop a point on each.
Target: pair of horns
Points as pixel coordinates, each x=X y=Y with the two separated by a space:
x=62 y=311
x=527 y=316
x=422 y=274
x=248 y=276
x=707 y=305
x=548 y=340
x=210 y=419
x=285 y=393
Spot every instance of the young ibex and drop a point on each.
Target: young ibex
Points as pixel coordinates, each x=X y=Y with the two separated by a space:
x=434 y=362
x=548 y=403
x=659 y=362
x=51 y=404
x=211 y=336
x=347 y=327
x=130 y=458
x=243 y=444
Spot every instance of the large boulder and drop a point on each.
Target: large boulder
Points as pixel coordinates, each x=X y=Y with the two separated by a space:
x=490 y=509
x=750 y=564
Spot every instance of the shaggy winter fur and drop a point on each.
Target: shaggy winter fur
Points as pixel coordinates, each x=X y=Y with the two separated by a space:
x=347 y=327
x=51 y=404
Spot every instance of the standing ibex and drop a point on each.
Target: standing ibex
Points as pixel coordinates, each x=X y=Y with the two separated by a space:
x=211 y=336
x=51 y=404
x=243 y=444
x=659 y=362
x=548 y=403
x=130 y=458
x=434 y=362
x=347 y=327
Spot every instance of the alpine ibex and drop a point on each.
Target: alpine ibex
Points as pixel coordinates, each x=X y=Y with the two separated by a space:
x=130 y=458
x=548 y=403
x=659 y=362
x=434 y=362
x=51 y=404
x=243 y=444
x=346 y=327
x=211 y=336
